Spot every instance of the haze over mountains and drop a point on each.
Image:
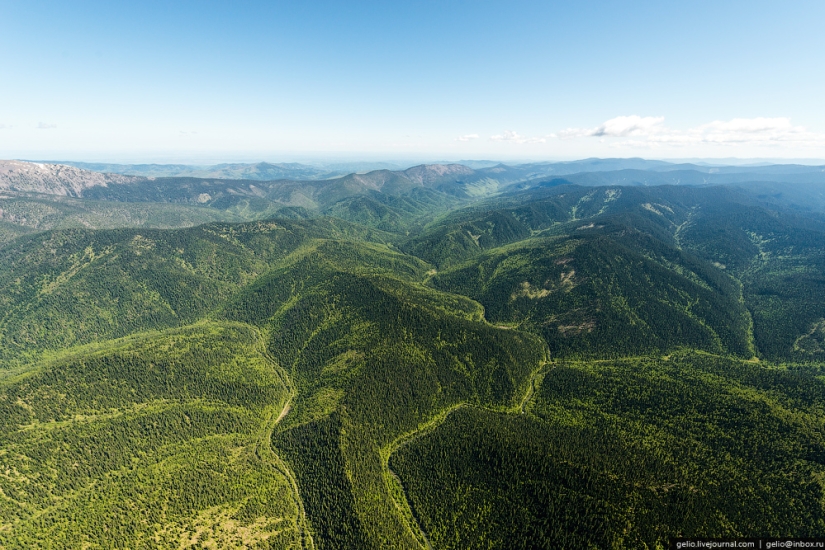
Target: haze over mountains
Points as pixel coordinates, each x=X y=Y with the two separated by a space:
x=37 y=195
x=257 y=171
x=617 y=170
x=597 y=354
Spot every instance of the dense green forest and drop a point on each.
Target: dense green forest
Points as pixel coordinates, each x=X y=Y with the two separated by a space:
x=412 y=366
x=624 y=454
x=153 y=440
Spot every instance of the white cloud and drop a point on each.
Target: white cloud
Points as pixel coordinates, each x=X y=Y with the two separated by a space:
x=468 y=137
x=510 y=135
x=45 y=126
x=621 y=126
x=745 y=130
x=3 y=126
x=750 y=125
x=651 y=132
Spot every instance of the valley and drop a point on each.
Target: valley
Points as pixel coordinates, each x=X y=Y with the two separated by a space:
x=598 y=354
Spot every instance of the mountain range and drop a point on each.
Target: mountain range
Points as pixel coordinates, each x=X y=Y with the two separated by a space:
x=600 y=354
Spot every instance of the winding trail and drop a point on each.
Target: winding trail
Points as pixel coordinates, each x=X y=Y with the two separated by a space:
x=395 y=487
x=264 y=451
x=284 y=412
x=677 y=234
x=538 y=375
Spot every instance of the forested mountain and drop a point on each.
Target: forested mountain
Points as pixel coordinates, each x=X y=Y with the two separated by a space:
x=439 y=357
x=37 y=195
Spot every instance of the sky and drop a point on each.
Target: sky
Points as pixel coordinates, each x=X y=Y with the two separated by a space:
x=189 y=81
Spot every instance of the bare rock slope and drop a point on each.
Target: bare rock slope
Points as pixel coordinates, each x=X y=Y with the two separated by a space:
x=54 y=179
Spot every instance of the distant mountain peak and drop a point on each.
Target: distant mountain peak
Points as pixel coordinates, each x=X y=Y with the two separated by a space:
x=428 y=173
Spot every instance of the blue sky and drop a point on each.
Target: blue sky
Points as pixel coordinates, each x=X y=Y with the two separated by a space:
x=454 y=80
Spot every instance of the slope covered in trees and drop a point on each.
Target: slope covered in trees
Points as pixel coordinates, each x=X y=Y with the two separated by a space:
x=158 y=439
x=625 y=454
x=606 y=291
x=560 y=366
x=72 y=287
x=373 y=355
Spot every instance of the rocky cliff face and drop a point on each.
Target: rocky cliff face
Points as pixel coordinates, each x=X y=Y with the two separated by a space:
x=54 y=179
